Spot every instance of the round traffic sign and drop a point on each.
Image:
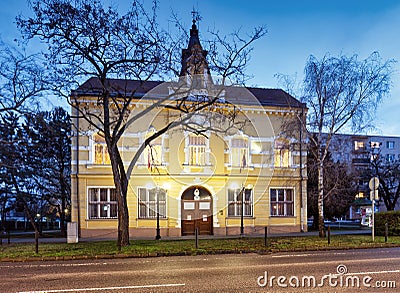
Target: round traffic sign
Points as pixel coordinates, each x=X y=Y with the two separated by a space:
x=373 y=183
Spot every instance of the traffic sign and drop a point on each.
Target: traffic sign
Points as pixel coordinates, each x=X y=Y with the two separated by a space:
x=374 y=183
x=373 y=194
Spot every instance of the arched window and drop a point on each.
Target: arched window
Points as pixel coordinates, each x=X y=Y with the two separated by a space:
x=101 y=155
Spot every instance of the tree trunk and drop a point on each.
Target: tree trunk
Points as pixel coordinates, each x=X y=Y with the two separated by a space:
x=62 y=212
x=121 y=186
x=123 y=221
x=321 y=224
x=35 y=227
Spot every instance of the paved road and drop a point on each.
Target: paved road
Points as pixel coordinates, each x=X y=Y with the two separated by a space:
x=367 y=270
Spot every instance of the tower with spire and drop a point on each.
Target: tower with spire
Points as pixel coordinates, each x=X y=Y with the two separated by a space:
x=194 y=61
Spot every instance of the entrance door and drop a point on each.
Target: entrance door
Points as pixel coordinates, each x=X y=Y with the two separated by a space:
x=196 y=211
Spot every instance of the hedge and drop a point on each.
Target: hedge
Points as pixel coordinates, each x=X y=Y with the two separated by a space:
x=393 y=220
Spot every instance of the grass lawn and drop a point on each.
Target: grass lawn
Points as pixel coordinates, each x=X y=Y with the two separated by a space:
x=144 y=248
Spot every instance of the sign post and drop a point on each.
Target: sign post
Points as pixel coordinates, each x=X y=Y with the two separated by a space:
x=373 y=185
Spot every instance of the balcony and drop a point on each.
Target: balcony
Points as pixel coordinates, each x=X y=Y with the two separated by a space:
x=360 y=161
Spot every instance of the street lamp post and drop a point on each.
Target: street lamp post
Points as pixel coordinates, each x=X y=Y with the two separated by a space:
x=242 y=212
x=373 y=185
x=158 y=235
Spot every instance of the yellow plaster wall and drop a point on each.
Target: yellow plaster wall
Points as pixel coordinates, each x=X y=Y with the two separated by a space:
x=178 y=178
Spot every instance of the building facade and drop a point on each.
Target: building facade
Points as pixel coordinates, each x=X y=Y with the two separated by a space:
x=358 y=151
x=218 y=182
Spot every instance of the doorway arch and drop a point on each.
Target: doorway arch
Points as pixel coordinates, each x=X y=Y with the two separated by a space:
x=196 y=211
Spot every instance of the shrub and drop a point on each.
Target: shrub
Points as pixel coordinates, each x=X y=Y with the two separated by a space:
x=393 y=220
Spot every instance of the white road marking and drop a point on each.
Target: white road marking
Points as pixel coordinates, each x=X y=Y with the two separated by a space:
x=106 y=288
x=305 y=254
x=372 y=273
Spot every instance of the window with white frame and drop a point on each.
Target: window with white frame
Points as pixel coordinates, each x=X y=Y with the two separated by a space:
x=239 y=152
x=390 y=145
x=101 y=155
x=102 y=203
x=197 y=150
x=282 y=202
x=281 y=154
x=152 y=154
x=150 y=201
x=390 y=158
x=235 y=199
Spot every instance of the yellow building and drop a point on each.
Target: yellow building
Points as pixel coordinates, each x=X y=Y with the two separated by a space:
x=221 y=182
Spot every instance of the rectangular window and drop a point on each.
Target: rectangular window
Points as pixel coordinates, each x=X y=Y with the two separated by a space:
x=281 y=158
x=153 y=154
x=375 y=144
x=390 y=158
x=281 y=154
x=102 y=203
x=197 y=150
x=235 y=198
x=101 y=155
x=359 y=145
x=282 y=202
x=239 y=152
x=390 y=145
x=151 y=200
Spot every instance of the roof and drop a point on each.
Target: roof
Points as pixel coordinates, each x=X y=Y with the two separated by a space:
x=234 y=94
x=93 y=87
x=361 y=201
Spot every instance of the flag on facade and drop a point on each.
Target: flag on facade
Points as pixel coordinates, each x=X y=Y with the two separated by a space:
x=243 y=165
x=149 y=158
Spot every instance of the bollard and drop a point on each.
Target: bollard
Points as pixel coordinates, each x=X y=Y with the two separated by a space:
x=36 y=241
x=197 y=237
x=329 y=234
x=265 y=236
x=386 y=232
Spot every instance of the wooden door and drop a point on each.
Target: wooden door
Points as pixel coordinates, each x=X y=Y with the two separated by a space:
x=197 y=214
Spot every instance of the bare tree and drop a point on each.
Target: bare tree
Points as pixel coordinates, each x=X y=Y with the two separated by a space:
x=22 y=80
x=86 y=40
x=15 y=175
x=340 y=187
x=388 y=173
x=49 y=158
x=342 y=94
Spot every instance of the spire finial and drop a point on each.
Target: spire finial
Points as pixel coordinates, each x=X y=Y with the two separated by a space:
x=195 y=16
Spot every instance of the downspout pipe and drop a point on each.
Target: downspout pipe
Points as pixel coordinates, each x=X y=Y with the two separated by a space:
x=301 y=170
x=77 y=172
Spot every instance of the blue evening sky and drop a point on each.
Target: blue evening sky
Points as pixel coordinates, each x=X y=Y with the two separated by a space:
x=296 y=29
